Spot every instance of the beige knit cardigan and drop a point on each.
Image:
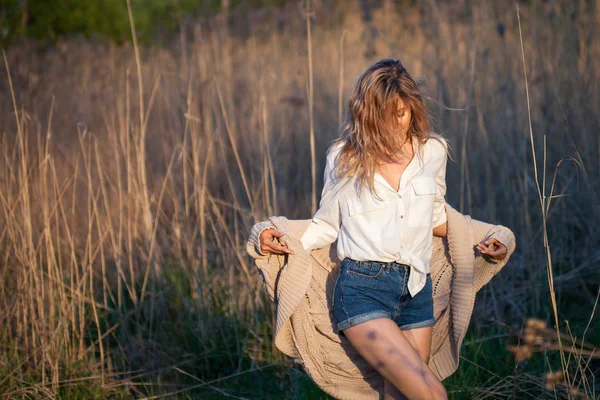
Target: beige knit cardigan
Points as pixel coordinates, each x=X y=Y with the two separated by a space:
x=302 y=286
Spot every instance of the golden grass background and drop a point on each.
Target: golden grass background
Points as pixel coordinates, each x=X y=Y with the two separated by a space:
x=128 y=187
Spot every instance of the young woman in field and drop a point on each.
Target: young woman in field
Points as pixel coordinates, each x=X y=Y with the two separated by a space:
x=383 y=197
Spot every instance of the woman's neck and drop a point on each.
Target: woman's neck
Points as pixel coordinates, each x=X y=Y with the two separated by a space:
x=405 y=152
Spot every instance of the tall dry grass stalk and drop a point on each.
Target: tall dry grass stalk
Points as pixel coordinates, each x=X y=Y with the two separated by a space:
x=543 y=208
x=130 y=177
x=313 y=168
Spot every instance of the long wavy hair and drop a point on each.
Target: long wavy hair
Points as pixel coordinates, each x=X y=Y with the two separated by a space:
x=370 y=135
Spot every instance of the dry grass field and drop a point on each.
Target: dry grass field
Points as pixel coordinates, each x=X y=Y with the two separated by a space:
x=130 y=177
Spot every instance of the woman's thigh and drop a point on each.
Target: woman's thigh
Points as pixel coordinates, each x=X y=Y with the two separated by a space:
x=383 y=345
x=420 y=339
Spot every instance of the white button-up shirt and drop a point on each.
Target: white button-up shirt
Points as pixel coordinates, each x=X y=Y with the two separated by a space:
x=397 y=226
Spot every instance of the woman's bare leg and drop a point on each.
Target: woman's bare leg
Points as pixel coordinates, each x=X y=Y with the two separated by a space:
x=383 y=345
x=420 y=340
x=391 y=393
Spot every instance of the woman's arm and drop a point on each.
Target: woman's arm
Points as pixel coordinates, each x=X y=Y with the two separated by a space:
x=493 y=241
x=267 y=243
x=492 y=248
x=325 y=225
x=485 y=265
x=439 y=204
x=323 y=229
x=441 y=230
x=261 y=240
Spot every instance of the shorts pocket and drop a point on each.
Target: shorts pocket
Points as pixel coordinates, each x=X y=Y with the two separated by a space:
x=369 y=270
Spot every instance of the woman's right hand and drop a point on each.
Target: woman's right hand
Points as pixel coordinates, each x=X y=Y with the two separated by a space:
x=268 y=245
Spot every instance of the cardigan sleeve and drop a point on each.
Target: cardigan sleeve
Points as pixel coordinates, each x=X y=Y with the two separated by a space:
x=501 y=233
x=268 y=265
x=253 y=244
x=485 y=267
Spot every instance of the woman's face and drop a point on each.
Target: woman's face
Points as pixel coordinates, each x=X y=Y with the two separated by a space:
x=402 y=118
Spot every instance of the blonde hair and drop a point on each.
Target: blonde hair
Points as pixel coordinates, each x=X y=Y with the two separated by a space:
x=369 y=134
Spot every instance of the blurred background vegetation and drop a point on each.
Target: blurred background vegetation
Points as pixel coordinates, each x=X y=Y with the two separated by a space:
x=129 y=182
x=50 y=20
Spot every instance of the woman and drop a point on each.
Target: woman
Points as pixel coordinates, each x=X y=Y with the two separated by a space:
x=383 y=196
x=385 y=166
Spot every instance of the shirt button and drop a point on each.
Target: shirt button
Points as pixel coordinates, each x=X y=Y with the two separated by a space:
x=402 y=216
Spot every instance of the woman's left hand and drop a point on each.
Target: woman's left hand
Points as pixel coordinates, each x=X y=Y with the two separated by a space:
x=492 y=248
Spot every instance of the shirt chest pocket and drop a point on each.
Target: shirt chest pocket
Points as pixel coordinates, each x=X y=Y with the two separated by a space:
x=422 y=197
x=367 y=206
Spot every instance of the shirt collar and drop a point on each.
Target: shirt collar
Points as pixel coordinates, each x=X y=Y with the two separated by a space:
x=407 y=174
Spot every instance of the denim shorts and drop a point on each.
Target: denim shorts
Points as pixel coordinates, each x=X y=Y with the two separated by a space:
x=366 y=290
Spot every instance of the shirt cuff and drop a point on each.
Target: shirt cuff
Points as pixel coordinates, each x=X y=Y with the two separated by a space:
x=306 y=242
x=441 y=218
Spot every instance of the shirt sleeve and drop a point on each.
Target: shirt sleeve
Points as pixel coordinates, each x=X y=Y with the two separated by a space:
x=439 y=209
x=325 y=224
